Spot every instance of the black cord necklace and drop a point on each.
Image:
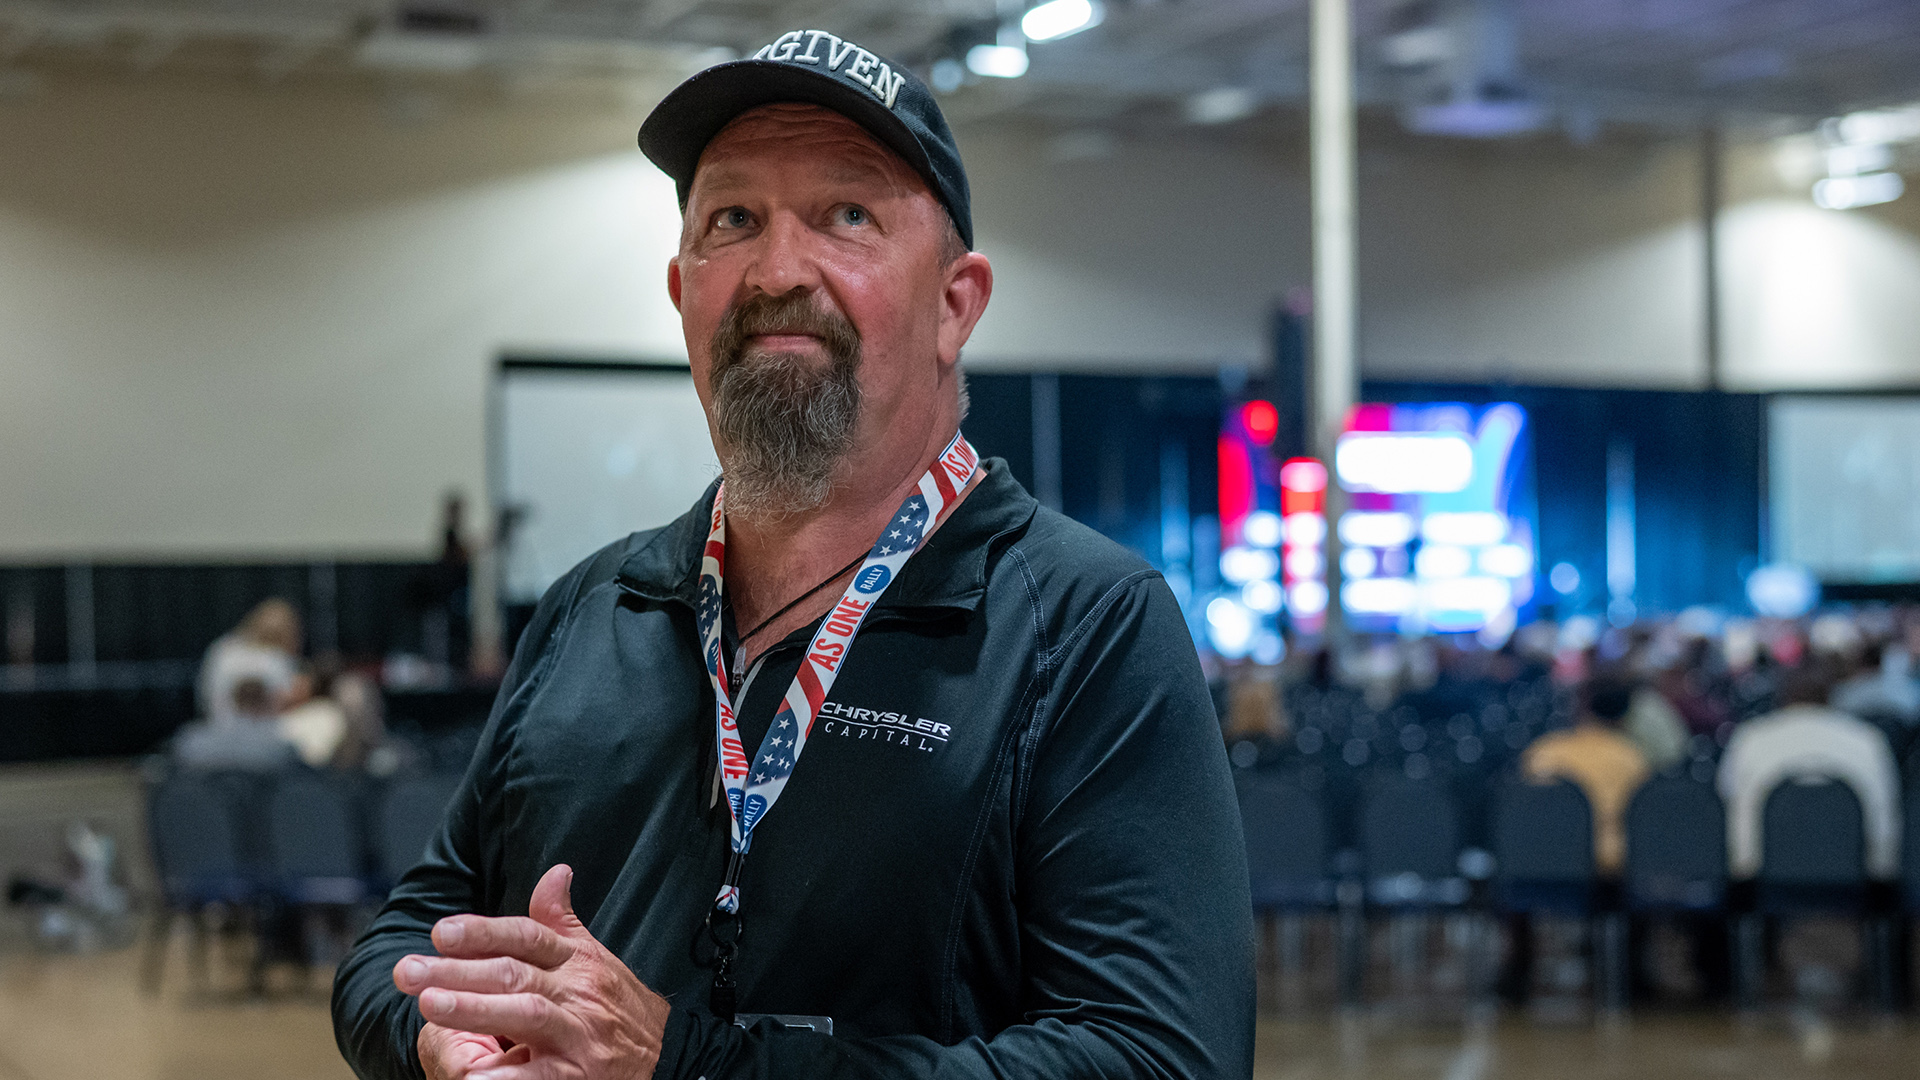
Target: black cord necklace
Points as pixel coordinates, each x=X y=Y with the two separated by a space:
x=795 y=602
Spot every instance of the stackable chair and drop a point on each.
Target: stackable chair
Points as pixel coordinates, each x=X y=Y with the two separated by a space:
x=411 y=813
x=1409 y=840
x=1676 y=848
x=319 y=864
x=1288 y=847
x=201 y=860
x=1910 y=863
x=1677 y=859
x=1543 y=865
x=1813 y=861
x=319 y=850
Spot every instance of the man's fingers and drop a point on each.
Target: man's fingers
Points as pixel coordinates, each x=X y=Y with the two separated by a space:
x=476 y=937
x=545 y=1069
x=496 y=975
x=524 y=1018
x=446 y=1054
x=552 y=901
x=519 y=1055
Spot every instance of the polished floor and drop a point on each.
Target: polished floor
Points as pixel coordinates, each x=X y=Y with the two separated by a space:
x=69 y=1017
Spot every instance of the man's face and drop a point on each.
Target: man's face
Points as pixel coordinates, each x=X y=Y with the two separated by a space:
x=813 y=286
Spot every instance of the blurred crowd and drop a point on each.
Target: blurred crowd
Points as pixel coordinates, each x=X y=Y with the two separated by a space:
x=1743 y=704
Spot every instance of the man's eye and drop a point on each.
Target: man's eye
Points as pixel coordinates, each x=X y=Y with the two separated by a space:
x=854 y=215
x=732 y=217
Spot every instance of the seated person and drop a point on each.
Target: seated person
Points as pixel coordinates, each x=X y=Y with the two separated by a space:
x=265 y=648
x=1808 y=738
x=249 y=741
x=1657 y=728
x=341 y=726
x=1888 y=691
x=1601 y=761
x=317 y=727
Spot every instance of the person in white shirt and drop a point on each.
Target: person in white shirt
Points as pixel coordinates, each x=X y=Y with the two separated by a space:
x=1889 y=690
x=1807 y=738
x=264 y=648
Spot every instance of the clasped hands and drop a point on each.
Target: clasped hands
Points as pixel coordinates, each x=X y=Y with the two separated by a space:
x=533 y=998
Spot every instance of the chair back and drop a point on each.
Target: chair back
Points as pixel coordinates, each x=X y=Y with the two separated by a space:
x=1543 y=846
x=1410 y=841
x=409 y=816
x=1676 y=847
x=319 y=856
x=1812 y=834
x=1910 y=854
x=1287 y=843
x=195 y=845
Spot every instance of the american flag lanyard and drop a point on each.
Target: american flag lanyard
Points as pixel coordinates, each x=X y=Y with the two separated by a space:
x=754 y=784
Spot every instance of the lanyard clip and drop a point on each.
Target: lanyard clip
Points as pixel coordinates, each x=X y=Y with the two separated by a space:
x=723 y=928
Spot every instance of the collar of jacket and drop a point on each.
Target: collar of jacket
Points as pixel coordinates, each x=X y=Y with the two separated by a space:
x=950 y=573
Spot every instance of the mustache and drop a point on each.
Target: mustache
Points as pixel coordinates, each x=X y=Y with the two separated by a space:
x=787 y=422
x=792 y=313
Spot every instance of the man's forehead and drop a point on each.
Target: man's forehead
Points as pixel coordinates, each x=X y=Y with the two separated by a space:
x=799 y=134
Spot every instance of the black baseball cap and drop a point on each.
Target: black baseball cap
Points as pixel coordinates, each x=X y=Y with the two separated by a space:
x=817 y=68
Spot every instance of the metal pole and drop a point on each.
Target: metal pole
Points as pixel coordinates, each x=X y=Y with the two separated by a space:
x=1711 y=157
x=1336 y=383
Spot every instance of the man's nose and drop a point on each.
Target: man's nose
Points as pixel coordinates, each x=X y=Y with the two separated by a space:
x=784 y=259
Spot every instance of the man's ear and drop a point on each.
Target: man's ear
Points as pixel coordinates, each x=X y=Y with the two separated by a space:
x=673 y=281
x=969 y=287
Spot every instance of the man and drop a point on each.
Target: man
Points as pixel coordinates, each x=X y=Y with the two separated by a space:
x=1011 y=848
x=1601 y=761
x=1807 y=738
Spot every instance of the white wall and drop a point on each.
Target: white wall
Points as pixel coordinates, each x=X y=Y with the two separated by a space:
x=1816 y=299
x=1534 y=262
x=235 y=323
x=238 y=320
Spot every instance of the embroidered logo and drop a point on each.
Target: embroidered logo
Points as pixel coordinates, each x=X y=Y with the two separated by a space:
x=844 y=58
x=897 y=728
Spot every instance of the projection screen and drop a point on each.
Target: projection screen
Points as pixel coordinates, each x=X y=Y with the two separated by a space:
x=588 y=454
x=1844 y=486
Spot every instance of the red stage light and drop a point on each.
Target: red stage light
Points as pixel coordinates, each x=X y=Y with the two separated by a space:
x=1261 y=420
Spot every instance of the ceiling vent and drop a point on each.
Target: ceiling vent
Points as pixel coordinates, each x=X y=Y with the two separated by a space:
x=436 y=40
x=1456 y=66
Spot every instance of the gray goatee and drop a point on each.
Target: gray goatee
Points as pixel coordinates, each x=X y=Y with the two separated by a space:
x=787 y=422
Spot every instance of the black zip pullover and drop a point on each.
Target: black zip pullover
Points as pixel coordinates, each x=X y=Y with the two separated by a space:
x=1011 y=850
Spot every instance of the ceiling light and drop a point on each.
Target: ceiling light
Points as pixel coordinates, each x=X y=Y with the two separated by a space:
x=1878 y=125
x=948 y=74
x=1056 y=19
x=997 y=61
x=1856 y=158
x=1478 y=118
x=424 y=53
x=1222 y=105
x=1848 y=192
x=1419 y=47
